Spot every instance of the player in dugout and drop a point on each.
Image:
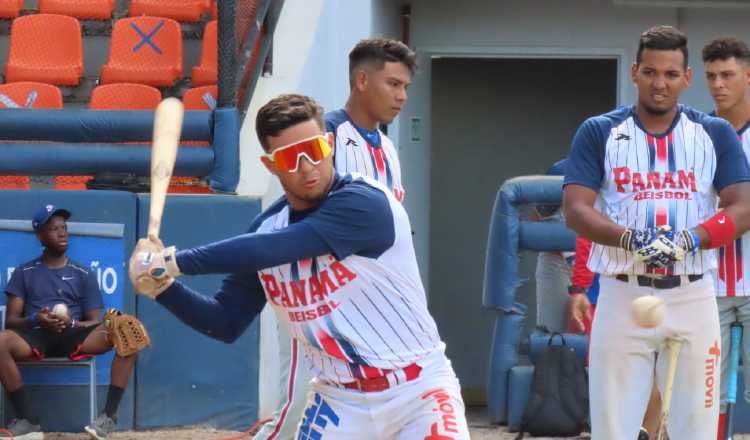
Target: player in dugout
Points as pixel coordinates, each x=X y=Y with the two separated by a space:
x=38 y=327
x=335 y=259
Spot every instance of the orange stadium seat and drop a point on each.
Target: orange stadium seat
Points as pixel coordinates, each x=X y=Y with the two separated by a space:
x=30 y=95
x=201 y=98
x=124 y=96
x=205 y=72
x=144 y=50
x=83 y=9
x=180 y=10
x=10 y=8
x=198 y=98
x=27 y=95
x=45 y=48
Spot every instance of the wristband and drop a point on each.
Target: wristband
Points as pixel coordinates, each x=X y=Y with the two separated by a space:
x=721 y=230
x=696 y=240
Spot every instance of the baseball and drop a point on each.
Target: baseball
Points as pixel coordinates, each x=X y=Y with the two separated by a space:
x=60 y=310
x=648 y=311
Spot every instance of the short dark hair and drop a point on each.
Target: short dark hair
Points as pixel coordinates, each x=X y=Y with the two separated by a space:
x=283 y=112
x=724 y=48
x=663 y=38
x=377 y=51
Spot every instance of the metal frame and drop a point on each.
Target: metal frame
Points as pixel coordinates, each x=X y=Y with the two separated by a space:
x=57 y=362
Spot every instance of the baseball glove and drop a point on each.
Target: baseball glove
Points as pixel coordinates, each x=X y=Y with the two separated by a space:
x=126 y=333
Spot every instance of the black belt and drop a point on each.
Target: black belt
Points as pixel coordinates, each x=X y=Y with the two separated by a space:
x=666 y=282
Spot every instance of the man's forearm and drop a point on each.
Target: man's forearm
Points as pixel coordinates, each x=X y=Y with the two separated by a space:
x=591 y=224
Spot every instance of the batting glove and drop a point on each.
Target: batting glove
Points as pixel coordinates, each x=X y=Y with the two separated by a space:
x=152 y=268
x=653 y=246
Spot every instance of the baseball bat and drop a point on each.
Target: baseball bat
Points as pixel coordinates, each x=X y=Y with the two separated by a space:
x=166 y=138
x=673 y=346
x=734 y=363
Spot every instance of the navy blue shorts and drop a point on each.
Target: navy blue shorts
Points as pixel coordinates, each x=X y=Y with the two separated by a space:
x=45 y=343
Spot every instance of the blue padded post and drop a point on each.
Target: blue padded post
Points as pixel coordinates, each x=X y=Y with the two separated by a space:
x=226 y=171
x=503 y=356
x=508 y=235
x=501 y=265
x=519 y=387
x=82 y=125
x=82 y=159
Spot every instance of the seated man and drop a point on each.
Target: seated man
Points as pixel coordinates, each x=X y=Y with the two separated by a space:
x=76 y=331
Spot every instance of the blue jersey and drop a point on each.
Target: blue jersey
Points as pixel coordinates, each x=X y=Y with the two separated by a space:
x=645 y=180
x=40 y=286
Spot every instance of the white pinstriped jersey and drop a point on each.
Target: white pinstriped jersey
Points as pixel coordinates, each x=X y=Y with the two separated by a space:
x=371 y=154
x=358 y=316
x=733 y=271
x=645 y=180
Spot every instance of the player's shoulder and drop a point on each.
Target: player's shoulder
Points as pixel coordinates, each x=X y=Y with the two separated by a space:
x=712 y=124
x=335 y=118
x=606 y=121
x=361 y=188
x=355 y=182
x=32 y=264
x=78 y=267
x=698 y=116
x=269 y=212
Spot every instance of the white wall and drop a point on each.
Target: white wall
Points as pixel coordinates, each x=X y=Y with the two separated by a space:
x=310 y=56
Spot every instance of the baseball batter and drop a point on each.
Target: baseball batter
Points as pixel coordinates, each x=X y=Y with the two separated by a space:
x=631 y=172
x=335 y=259
x=380 y=72
x=727 y=66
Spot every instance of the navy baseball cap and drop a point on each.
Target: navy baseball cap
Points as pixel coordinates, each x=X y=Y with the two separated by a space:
x=45 y=213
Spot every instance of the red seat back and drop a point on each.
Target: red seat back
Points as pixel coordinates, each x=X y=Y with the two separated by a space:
x=45 y=48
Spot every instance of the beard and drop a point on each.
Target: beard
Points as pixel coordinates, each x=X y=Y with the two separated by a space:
x=55 y=251
x=654 y=111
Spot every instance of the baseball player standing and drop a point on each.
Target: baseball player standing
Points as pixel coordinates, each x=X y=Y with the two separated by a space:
x=727 y=65
x=335 y=260
x=380 y=72
x=643 y=183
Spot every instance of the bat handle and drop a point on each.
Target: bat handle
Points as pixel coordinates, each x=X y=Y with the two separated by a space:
x=673 y=346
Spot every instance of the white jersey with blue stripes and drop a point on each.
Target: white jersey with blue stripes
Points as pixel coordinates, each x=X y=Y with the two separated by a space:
x=360 y=316
x=370 y=153
x=645 y=180
x=733 y=268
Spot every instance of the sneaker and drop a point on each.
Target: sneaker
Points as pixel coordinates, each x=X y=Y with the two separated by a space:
x=101 y=427
x=643 y=435
x=22 y=429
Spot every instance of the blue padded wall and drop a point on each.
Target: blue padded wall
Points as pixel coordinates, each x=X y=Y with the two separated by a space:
x=188 y=378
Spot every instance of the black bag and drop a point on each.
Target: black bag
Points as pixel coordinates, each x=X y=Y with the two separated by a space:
x=559 y=400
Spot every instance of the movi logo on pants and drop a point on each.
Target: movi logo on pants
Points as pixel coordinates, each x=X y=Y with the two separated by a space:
x=711 y=364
